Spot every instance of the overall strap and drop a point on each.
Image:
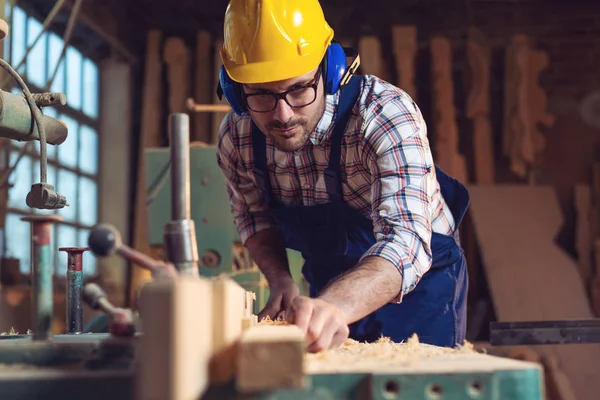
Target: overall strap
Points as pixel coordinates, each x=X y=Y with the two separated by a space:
x=261 y=171
x=350 y=93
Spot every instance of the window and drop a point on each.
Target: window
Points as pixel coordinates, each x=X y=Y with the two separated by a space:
x=73 y=165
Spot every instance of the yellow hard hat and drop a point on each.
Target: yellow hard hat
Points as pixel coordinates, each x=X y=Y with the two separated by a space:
x=272 y=40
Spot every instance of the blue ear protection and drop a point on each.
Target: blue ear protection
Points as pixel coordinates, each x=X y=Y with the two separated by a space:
x=334 y=68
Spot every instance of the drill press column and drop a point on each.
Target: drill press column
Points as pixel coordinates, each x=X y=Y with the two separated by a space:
x=180 y=233
x=41 y=271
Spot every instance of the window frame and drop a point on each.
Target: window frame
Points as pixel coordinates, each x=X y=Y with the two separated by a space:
x=77 y=115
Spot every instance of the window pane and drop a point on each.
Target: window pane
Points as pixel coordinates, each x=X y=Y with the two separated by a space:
x=66 y=236
x=36 y=59
x=89 y=260
x=67 y=151
x=7 y=10
x=55 y=45
x=73 y=57
x=90 y=83
x=18 y=240
x=88 y=150
x=88 y=201
x=21 y=179
x=18 y=36
x=67 y=186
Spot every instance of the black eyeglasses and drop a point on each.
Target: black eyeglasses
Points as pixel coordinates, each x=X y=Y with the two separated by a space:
x=297 y=97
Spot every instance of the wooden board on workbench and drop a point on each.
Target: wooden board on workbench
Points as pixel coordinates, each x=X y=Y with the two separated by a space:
x=529 y=276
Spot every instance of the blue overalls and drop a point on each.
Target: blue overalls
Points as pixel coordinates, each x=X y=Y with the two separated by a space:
x=333 y=236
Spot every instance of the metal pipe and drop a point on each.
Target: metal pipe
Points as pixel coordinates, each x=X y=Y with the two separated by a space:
x=74 y=320
x=179 y=127
x=181 y=247
x=41 y=271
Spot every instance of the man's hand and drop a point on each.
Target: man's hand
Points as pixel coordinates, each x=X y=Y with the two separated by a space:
x=324 y=323
x=282 y=292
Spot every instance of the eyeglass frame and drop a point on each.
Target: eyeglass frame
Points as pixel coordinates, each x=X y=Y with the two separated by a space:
x=283 y=95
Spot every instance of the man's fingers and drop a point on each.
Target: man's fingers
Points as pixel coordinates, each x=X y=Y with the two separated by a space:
x=318 y=321
x=339 y=337
x=271 y=309
x=301 y=313
x=324 y=340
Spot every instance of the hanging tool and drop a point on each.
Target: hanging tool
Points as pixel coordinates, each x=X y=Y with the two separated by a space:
x=105 y=240
x=121 y=319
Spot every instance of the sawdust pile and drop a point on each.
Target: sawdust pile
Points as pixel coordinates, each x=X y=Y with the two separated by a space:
x=382 y=354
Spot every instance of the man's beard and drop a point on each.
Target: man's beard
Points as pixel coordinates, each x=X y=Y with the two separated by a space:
x=301 y=134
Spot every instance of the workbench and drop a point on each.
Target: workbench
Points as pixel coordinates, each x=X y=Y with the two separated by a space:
x=100 y=367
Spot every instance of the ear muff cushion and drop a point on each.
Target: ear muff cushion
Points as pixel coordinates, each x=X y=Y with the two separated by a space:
x=335 y=67
x=231 y=92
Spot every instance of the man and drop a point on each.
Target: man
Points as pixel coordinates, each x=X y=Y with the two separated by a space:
x=342 y=174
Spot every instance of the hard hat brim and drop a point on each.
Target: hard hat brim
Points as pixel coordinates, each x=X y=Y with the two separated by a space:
x=271 y=71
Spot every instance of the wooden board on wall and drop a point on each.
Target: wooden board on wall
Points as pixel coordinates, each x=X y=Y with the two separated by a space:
x=447 y=155
x=530 y=277
x=404 y=39
x=202 y=129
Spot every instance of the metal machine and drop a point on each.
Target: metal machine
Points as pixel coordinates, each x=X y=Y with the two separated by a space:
x=101 y=366
x=217 y=239
x=194 y=226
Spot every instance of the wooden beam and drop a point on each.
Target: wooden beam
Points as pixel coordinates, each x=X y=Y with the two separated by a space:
x=150 y=136
x=478 y=107
x=115 y=164
x=446 y=139
x=202 y=87
x=405 y=48
x=177 y=59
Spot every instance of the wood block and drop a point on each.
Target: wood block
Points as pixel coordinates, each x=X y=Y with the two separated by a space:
x=270 y=357
x=229 y=300
x=249 y=322
x=176 y=345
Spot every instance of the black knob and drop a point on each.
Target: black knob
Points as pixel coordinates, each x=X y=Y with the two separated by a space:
x=104 y=240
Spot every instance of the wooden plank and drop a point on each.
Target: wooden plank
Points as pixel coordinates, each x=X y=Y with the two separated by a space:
x=229 y=300
x=176 y=346
x=478 y=107
x=530 y=277
x=150 y=136
x=177 y=59
x=270 y=357
x=202 y=87
x=405 y=46
x=446 y=136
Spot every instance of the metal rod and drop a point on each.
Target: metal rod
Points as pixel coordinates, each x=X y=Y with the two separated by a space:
x=572 y=331
x=41 y=271
x=74 y=320
x=179 y=127
x=193 y=107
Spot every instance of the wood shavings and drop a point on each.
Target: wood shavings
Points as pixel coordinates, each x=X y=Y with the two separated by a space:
x=268 y=321
x=382 y=354
x=10 y=333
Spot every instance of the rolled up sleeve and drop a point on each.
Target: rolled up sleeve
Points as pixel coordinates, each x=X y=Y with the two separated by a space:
x=250 y=211
x=403 y=180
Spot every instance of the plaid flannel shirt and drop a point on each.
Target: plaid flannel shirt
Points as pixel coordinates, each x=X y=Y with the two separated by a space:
x=388 y=174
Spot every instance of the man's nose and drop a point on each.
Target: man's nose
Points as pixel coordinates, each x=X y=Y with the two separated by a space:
x=283 y=112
